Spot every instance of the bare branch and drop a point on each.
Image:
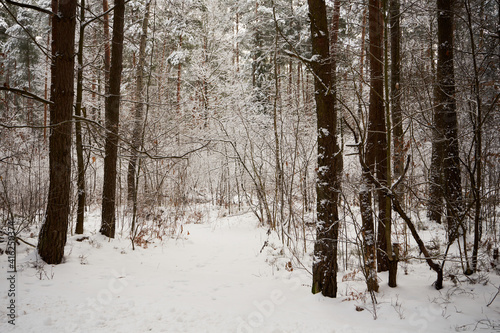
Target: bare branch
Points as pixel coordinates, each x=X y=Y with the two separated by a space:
x=389 y=192
x=25 y=5
x=100 y=15
x=44 y=50
x=498 y=292
x=297 y=56
x=139 y=151
x=157 y=157
x=26 y=94
x=396 y=183
x=18 y=238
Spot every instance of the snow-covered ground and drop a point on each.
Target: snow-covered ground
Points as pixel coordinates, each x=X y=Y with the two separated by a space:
x=217 y=277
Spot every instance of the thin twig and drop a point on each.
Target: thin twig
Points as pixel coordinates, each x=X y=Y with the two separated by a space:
x=498 y=292
x=17 y=238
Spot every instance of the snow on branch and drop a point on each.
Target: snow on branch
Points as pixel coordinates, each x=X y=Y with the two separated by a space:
x=25 y=5
x=26 y=94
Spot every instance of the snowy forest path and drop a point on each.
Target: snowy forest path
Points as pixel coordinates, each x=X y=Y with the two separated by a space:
x=215 y=277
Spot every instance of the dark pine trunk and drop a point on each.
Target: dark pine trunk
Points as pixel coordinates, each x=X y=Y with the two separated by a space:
x=325 y=248
x=435 y=203
x=397 y=122
x=81 y=193
x=107 y=48
x=52 y=238
x=396 y=89
x=368 y=233
x=376 y=149
x=446 y=107
x=112 y=112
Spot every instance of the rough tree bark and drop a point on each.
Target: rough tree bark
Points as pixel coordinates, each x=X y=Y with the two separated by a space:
x=476 y=177
x=107 y=48
x=365 y=200
x=333 y=55
x=377 y=134
x=396 y=89
x=52 y=238
x=435 y=203
x=397 y=127
x=436 y=194
x=376 y=152
x=81 y=193
x=448 y=126
x=362 y=64
x=112 y=112
x=325 y=248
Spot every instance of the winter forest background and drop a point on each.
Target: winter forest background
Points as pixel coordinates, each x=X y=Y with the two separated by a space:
x=356 y=137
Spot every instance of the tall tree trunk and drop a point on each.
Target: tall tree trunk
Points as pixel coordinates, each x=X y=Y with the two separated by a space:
x=179 y=73
x=436 y=196
x=325 y=264
x=81 y=193
x=365 y=196
x=384 y=248
x=368 y=233
x=45 y=90
x=237 y=46
x=396 y=89
x=107 y=48
x=446 y=108
x=435 y=203
x=334 y=37
x=362 y=63
x=397 y=125
x=139 y=110
x=279 y=188
x=385 y=255
x=376 y=145
x=112 y=112
x=476 y=177
x=339 y=162
x=256 y=38
x=53 y=233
